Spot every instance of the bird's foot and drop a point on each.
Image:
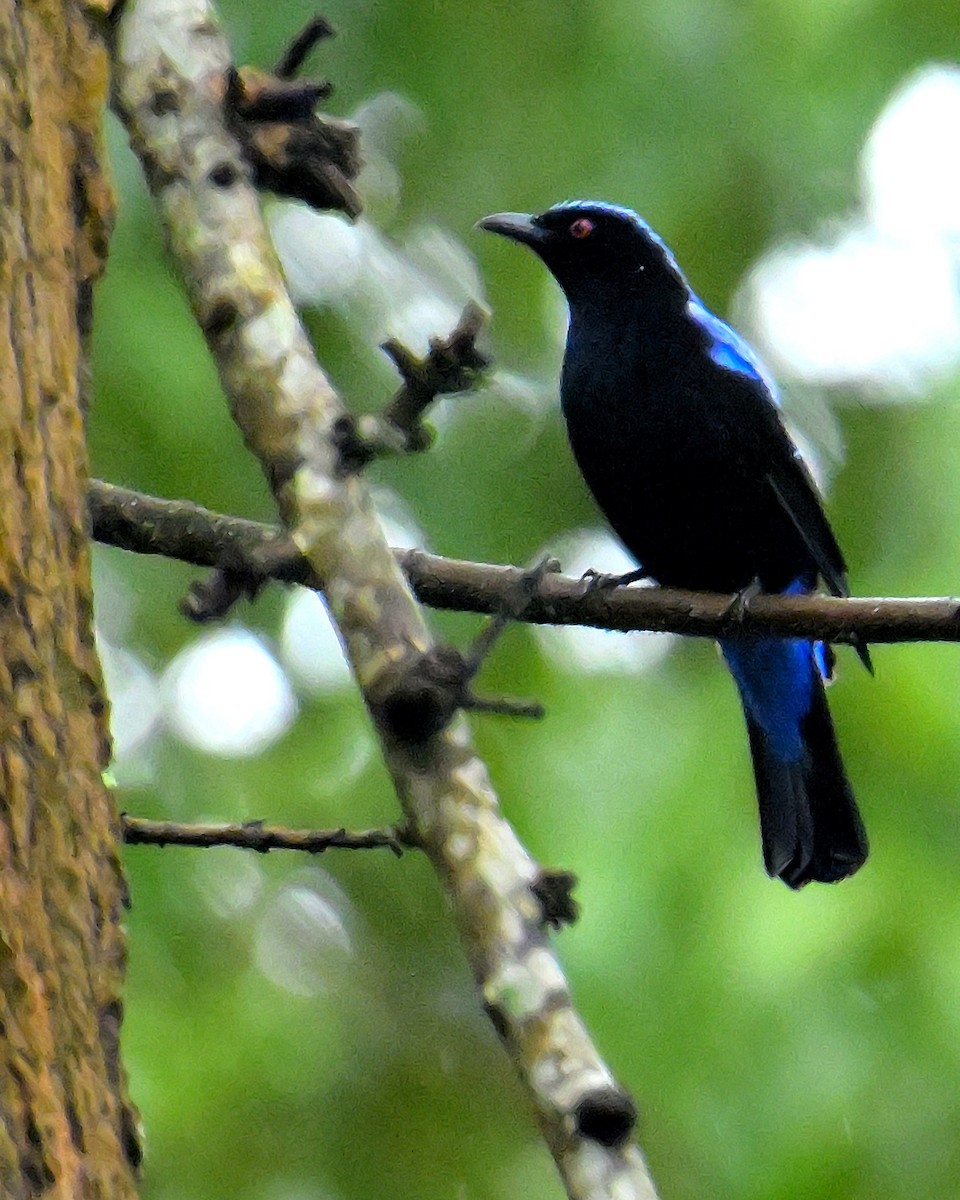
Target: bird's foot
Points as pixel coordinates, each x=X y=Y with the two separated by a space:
x=602 y=581
x=740 y=604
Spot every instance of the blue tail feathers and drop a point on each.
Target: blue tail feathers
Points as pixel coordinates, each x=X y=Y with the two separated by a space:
x=809 y=823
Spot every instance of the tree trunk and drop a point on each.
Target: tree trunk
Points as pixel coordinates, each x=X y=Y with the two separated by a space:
x=66 y=1127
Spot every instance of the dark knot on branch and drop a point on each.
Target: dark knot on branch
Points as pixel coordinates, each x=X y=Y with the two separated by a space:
x=292 y=149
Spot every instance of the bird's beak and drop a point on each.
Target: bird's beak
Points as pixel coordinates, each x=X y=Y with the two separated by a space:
x=519 y=227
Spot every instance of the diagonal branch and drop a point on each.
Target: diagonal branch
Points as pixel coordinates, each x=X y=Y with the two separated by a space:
x=181 y=530
x=172 y=62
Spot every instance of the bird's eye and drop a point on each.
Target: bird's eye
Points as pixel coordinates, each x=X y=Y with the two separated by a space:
x=582 y=227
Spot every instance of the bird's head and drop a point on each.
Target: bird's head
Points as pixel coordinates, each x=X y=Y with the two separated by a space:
x=598 y=253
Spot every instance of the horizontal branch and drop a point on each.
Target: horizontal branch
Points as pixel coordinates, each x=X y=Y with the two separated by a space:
x=185 y=531
x=254 y=835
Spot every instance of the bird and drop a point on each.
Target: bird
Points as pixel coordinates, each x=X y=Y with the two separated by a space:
x=677 y=430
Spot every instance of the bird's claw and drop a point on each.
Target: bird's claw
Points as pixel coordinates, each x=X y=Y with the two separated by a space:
x=594 y=581
x=740 y=604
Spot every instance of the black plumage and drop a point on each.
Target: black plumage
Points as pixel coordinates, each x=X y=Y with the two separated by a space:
x=676 y=429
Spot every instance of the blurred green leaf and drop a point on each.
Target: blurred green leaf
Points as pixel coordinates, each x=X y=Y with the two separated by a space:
x=780 y=1046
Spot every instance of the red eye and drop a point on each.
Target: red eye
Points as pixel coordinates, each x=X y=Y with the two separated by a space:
x=582 y=227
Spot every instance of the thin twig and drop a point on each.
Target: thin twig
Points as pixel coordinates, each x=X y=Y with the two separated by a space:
x=452 y=364
x=255 y=835
x=317 y=29
x=185 y=531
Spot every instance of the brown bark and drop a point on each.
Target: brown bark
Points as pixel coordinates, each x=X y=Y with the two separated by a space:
x=66 y=1128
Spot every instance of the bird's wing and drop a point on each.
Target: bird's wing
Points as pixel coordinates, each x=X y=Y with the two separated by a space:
x=790 y=479
x=796 y=492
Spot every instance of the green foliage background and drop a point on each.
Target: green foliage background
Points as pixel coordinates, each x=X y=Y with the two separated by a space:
x=780 y=1046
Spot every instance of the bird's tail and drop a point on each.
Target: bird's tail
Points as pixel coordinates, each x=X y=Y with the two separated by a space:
x=809 y=823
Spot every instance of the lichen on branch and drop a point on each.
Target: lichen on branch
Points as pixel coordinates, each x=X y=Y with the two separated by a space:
x=168 y=87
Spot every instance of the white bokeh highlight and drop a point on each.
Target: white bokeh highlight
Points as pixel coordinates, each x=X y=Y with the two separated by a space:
x=385 y=121
x=310 y=648
x=411 y=291
x=230 y=884
x=303 y=942
x=227 y=695
x=594 y=651
x=400 y=526
x=875 y=304
x=135 y=709
x=911 y=169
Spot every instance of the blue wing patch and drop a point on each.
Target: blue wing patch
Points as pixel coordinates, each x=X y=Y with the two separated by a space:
x=728 y=349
